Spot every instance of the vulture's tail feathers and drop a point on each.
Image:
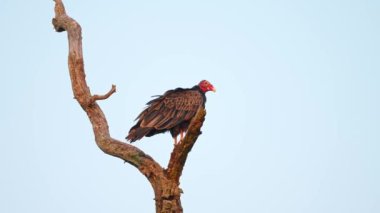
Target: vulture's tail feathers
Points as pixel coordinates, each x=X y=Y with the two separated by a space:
x=137 y=133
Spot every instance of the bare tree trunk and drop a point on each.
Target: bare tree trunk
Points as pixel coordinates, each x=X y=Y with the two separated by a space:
x=165 y=182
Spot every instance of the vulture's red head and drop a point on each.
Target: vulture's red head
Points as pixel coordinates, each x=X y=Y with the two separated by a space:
x=206 y=86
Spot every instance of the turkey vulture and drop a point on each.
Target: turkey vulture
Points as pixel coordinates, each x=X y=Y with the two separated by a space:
x=171 y=111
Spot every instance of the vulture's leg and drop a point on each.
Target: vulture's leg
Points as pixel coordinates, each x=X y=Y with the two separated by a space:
x=175 y=140
x=181 y=137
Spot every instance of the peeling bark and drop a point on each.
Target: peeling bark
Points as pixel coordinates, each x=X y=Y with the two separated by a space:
x=165 y=182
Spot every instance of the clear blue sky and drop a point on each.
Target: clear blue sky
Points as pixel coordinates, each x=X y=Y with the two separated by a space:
x=293 y=127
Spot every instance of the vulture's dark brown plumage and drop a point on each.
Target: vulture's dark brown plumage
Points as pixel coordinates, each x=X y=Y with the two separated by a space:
x=171 y=111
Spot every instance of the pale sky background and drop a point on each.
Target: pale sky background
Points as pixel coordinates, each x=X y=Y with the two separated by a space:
x=293 y=127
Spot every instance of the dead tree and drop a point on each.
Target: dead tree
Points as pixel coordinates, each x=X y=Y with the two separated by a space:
x=165 y=182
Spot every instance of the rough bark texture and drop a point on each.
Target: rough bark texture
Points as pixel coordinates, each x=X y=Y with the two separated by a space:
x=165 y=182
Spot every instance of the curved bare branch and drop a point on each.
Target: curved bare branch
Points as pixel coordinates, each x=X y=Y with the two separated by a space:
x=133 y=155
